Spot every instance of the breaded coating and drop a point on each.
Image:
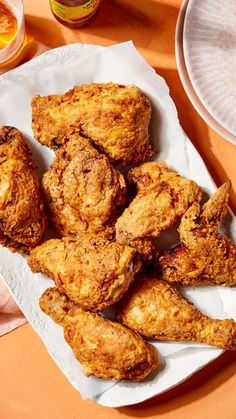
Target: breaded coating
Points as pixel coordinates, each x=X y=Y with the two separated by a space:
x=104 y=348
x=82 y=191
x=113 y=116
x=205 y=256
x=22 y=219
x=92 y=271
x=162 y=197
x=146 y=249
x=157 y=310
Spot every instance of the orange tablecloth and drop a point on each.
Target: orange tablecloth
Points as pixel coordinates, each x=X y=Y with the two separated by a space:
x=31 y=385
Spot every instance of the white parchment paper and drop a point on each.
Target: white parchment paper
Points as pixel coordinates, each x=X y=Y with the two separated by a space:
x=55 y=72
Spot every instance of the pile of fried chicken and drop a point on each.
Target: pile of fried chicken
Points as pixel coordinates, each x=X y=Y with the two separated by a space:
x=106 y=223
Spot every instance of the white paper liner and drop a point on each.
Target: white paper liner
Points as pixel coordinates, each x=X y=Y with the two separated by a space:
x=55 y=72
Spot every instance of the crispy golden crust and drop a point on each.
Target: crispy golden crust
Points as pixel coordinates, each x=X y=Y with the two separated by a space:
x=113 y=116
x=162 y=197
x=205 y=256
x=93 y=272
x=104 y=348
x=22 y=220
x=146 y=249
x=157 y=310
x=82 y=191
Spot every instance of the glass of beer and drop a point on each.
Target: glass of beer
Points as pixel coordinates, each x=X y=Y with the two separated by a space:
x=12 y=30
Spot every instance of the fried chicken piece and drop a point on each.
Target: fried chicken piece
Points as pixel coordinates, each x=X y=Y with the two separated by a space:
x=146 y=249
x=22 y=219
x=82 y=191
x=204 y=256
x=162 y=197
x=157 y=310
x=104 y=348
x=92 y=271
x=113 y=116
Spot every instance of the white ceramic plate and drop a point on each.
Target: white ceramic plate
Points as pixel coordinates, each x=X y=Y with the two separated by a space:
x=209 y=43
x=187 y=84
x=55 y=72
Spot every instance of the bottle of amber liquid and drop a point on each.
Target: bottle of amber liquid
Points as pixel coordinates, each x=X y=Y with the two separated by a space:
x=74 y=13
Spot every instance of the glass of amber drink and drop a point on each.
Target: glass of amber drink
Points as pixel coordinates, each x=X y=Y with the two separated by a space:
x=12 y=29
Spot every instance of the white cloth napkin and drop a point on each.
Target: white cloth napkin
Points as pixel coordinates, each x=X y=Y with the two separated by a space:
x=10 y=314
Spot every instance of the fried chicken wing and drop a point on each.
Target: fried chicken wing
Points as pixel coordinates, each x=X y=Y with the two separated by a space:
x=162 y=197
x=82 y=191
x=113 y=116
x=22 y=220
x=157 y=310
x=104 y=348
x=204 y=256
x=92 y=271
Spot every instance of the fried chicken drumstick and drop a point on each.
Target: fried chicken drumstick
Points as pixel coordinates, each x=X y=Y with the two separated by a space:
x=22 y=219
x=113 y=116
x=82 y=191
x=156 y=310
x=91 y=271
x=162 y=197
x=104 y=348
x=205 y=256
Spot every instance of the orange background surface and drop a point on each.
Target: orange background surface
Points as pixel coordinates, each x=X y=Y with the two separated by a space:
x=31 y=385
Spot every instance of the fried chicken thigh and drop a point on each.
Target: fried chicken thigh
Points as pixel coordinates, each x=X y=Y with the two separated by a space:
x=157 y=310
x=205 y=256
x=162 y=197
x=22 y=220
x=82 y=191
x=113 y=116
x=92 y=271
x=104 y=348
